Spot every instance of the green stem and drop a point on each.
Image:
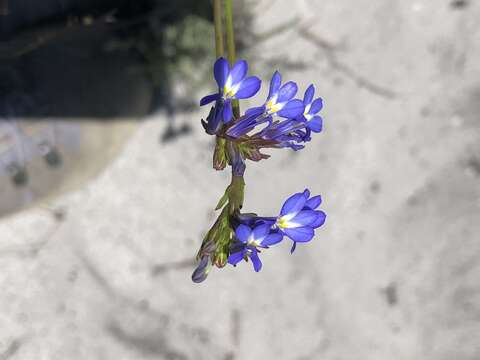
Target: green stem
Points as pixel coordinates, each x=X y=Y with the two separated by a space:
x=235 y=190
x=219 y=52
x=217 y=20
x=229 y=30
x=237 y=187
x=221 y=235
x=231 y=45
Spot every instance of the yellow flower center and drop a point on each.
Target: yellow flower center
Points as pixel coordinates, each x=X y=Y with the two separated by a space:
x=273 y=107
x=282 y=223
x=229 y=92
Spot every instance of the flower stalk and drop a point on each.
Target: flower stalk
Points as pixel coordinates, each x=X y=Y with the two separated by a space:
x=230 y=36
x=218 y=24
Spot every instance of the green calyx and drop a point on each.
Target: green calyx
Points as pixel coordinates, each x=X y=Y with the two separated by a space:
x=218 y=241
x=251 y=152
x=220 y=155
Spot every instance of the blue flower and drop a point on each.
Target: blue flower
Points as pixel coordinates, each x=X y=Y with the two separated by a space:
x=277 y=134
x=250 y=240
x=232 y=84
x=247 y=123
x=214 y=118
x=312 y=107
x=280 y=99
x=298 y=217
x=288 y=133
x=294 y=131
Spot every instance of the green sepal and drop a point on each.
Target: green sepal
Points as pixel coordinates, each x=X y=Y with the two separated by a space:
x=236 y=191
x=218 y=240
x=251 y=152
x=220 y=155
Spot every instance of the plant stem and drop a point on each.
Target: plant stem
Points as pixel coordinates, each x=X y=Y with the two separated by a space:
x=219 y=52
x=217 y=19
x=231 y=46
x=235 y=191
x=229 y=30
x=237 y=187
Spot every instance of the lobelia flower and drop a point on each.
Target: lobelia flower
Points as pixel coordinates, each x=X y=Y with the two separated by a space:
x=292 y=132
x=249 y=242
x=280 y=99
x=247 y=123
x=288 y=133
x=277 y=134
x=297 y=220
x=298 y=217
x=312 y=107
x=232 y=84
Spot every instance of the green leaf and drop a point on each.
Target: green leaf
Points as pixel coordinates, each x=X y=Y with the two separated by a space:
x=223 y=200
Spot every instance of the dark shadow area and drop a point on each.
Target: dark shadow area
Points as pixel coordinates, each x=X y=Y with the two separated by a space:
x=100 y=59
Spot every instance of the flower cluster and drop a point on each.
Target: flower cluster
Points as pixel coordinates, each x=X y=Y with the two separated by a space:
x=298 y=118
x=297 y=220
x=282 y=121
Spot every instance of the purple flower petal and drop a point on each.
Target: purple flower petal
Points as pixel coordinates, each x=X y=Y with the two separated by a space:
x=293 y=204
x=257 y=264
x=261 y=231
x=238 y=71
x=272 y=239
x=235 y=258
x=209 y=98
x=316 y=124
x=227 y=111
x=244 y=125
x=274 y=84
x=278 y=130
x=292 y=109
x=221 y=68
x=317 y=105
x=301 y=118
x=301 y=234
x=287 y=91
x=243 y=232
x=308 y=97
x=305 y=218
x=296 y=147
x=320 y=219
x=313 y=202
x=255 y=111
x=214 y=119
x=248 y=88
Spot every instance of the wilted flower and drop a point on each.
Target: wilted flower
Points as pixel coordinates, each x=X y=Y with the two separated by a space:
x=202 y=270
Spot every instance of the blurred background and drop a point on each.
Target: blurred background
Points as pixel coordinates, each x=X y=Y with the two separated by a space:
x=107 y=187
